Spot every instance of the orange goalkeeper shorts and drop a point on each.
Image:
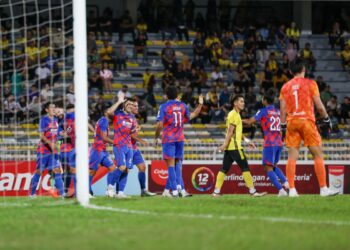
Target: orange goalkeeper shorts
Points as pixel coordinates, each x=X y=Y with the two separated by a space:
x=300 y=129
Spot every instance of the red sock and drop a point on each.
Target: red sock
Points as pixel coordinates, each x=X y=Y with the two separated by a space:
x=290 y=171
x=320 y=171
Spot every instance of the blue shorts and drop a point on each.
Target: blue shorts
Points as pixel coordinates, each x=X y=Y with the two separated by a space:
x=97 y=158
x=47 y=161
x=137 y=158
x=173 y=150
x=271 y=155
x=68 y=158
x=123 y=156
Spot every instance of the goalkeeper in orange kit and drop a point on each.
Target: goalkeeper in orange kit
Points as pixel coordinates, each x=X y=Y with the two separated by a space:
x=298 y=98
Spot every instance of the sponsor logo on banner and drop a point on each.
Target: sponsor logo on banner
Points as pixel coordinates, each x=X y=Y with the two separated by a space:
x=159 y=172
x=203 y=179
x=336 y=178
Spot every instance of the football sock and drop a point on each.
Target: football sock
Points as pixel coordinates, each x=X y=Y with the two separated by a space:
x=280 y=174
x=116 y=176
x=90 y=183
x=320 y=171
x=59 y=183
x=172 y=178
x=73 y=179
x=35 y=181
x=178 y=170
x=66 y=178
x=167 y=185
x=110 y=178
x=219 y=181
x=290 y=171
x=122 y=181
x=248 y=179
x=274 y=180
x=142 y=180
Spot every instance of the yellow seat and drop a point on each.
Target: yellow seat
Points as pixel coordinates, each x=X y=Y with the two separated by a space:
x=139 y=85
x=132 y=64
x=158 y=97
x=6 y=133
x=117 y=85
x=29 y=126
x=206 y=140
x=198 y=126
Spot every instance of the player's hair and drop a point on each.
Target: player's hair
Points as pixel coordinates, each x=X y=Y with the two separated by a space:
x=171 y=92
x=234 y=98
x=47 y=105
x=127 y=100
x=70 y=106
x=297 y=66
x=269 y=96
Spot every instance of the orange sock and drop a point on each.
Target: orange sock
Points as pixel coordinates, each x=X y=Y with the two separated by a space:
x=290 y=171
x=320 y=171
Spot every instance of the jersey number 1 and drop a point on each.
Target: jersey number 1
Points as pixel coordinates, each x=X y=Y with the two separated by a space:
x=295 y=93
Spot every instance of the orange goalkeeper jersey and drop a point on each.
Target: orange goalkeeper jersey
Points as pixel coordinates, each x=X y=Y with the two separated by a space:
x=298 y=95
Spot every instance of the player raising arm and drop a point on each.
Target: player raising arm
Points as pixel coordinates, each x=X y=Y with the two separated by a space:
x=269 y=119
x=171 y=118
x=298 y=98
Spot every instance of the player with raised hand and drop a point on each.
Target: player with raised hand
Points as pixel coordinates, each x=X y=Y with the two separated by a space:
x=47 y=155
x=232 y=147
x=172 y=116
x=298 y=98
x=124 y=123
x=269 y=119
x=137 y=155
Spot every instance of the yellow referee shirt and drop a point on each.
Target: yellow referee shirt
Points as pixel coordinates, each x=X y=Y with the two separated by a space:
x=234 y=118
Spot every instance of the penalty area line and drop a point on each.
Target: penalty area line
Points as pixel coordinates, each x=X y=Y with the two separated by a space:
x=222 y=217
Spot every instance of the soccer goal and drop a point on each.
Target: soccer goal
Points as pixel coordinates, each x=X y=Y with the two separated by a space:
x=43 y=60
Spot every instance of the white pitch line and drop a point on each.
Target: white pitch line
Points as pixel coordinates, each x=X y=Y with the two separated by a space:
x=223 y=217
x=25 y=204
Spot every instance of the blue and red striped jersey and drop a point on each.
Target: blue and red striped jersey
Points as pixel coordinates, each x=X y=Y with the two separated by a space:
x=49 y=127
x=101 y=126
x=124 y=125
x=269 y=118
x=68 y=144
x=174 y=114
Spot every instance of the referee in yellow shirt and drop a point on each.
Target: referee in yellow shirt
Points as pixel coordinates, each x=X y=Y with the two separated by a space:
x=232 y=148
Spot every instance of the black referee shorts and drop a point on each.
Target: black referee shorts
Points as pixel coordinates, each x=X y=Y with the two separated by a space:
x=231 y=156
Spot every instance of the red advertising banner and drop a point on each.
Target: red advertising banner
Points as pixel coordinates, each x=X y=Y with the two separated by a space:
x=200 y=178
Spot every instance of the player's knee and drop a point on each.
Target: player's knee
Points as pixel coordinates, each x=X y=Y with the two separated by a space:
x=268 y=168
x=56 y=170
x=72 y=170
x=92 y=172
x=112 y=168
x=122 y=168
x=38 y=172
x=141 y=167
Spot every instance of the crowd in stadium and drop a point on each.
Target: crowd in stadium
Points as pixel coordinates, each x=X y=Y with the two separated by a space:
x=216 y=69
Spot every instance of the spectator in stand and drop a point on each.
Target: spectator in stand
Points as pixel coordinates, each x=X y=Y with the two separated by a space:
x=320 y=83
x=333 y=104
x=70 y=94
x=142 y=114
x=345 y=109
x=91 y=42
x=186 y=63
x=12 y=109
x=92 y=23
x=216 y=112
x=345 y=57
x=209 y=41
x=149 y=97
x=220 y=57
x=121 y=58
x=198 y=46
x=203 y=77
x=23 y=105
x=106 y=22
x=197 y=63
x=34 y=108
x=98 y=108
x=46 y=93
x=195 y=81
x=167 y=79
x=181 y=28
x=336 y=36
x=169 y=58
x=17 y=86
x=146 y=79
x=141 y=26
x=281 y=39
x=307 y=55
x=94 y=79
x=228 y=45
x=51 y=61
x=285 y=66
x=126 y=25
x=204 y=113
x=293 y=35
x=124 y=91
x=262 y=52
x=211 y=93
x=33 y=93
x=224 y=96
x=271 y=65
x=181 y=76
x=43 y=73
x=279 y=79
x=326 y=95
x=291 y=52
x=250 y=100
x=107 y=76
x=217 y=77
x=107 y=52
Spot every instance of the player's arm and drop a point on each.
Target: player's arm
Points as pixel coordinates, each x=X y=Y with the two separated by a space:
x=249 y=121
x=283 y=111
x=138 y=139
x=196 y=112
x=159 y=127
x=114 y=107
x=47 y=141
x=229 y=133
x=105 y=138
x=248 y=141
x=322 y=111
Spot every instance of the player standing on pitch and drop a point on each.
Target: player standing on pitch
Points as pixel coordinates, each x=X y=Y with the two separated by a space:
x=232 y=147
x=269 y=118
x=298 y=98
x=47 y=155
x=172 y=116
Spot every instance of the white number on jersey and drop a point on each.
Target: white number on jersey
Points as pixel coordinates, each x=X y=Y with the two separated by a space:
x=276 y=124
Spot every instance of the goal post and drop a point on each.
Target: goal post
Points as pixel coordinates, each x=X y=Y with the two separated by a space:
x=81 y=100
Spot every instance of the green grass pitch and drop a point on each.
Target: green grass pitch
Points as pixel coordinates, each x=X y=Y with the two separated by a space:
x=200 y=222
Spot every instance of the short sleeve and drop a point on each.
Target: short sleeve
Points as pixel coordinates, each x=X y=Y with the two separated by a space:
x=187 y=113
x=160 y=115
x=259 y=115
x=281 y=95
x=232 y=119
x=314 y=89
x=103 y=125
x=44 y=122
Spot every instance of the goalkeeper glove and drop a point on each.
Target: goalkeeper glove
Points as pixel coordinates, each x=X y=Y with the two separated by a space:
x=327 y=123
x=284 y=130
